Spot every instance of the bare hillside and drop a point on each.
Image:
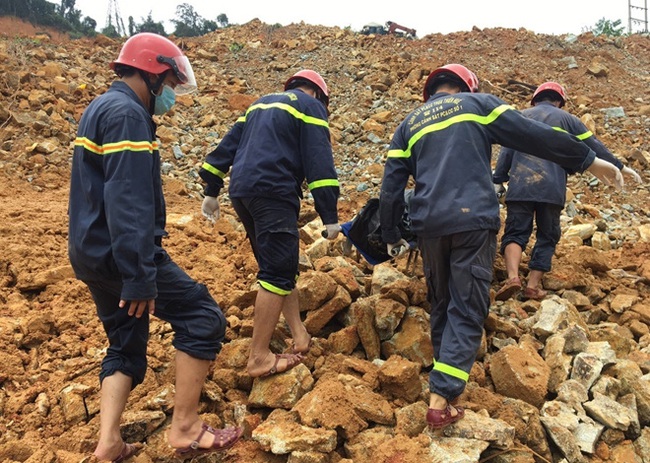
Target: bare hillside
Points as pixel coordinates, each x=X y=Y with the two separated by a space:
x=562 y=379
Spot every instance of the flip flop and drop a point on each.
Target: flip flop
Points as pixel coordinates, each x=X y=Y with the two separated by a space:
x=223 y=439
x=437 y=419
x=127 y=452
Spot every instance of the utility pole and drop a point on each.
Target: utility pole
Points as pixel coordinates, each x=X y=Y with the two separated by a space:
x=633 y=10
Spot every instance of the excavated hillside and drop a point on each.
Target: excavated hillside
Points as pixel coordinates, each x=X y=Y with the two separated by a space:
x=561 y=380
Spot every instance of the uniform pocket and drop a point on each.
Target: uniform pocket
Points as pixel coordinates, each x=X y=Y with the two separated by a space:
x=480 y=293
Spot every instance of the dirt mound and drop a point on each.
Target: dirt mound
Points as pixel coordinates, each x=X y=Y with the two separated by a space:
x=51 y=342
x=14 y=28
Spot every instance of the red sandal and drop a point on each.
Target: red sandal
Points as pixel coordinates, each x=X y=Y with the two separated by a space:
x=223 y=439
x=437 y=419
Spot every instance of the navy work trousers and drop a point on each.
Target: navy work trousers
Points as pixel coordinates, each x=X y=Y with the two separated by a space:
x=195 y=317
x=519 y=227
x=458 y=270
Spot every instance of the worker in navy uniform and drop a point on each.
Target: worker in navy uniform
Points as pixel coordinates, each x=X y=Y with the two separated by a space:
x=537 y=191
x=281 y=140
x=445 y=145
x=116 y=227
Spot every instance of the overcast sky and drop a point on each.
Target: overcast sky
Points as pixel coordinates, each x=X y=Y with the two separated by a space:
x=427 y=17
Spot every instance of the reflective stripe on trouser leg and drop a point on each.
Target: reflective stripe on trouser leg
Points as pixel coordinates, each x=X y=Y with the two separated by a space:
x=274 y=289
x=451 y=371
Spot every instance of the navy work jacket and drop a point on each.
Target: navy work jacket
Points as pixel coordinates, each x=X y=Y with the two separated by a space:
x=534 y=179
x=282 y=140
x=445 y=145
x=116 y=206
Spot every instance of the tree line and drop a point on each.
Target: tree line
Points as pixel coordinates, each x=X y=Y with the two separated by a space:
x=65 y=17
x=188 y=23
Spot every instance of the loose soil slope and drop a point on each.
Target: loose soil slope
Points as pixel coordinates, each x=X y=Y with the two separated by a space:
x=50 y=340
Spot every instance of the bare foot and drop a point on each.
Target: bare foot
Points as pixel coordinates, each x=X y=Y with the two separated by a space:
x=438 y=402
x=121 y=452
x=301 y=344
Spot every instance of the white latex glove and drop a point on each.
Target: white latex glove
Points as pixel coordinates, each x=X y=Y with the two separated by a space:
x=210 y=208
x=631 y=172
x=607 y=172
x=397 y=249
x=331 y=231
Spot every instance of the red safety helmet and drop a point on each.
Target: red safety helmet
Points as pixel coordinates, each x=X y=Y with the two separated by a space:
x=314 y=78
x=550 y=87
x=460 y=71
x=156 y=54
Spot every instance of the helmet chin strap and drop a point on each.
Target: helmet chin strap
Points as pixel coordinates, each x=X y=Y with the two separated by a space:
x=153 y=88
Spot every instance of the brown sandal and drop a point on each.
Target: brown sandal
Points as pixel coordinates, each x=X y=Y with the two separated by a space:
x=536 y=294
x=292 y=361
x=437 y=419
x=509 y=289
x=223 y=439
x=128 y=451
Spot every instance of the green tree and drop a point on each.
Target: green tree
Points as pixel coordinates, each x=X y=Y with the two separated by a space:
x=47 y=14
x=607 y=27
x=110 y=31
x=66 y=7
x=71 y=15
x=88 y=26
x=149 y=25
x=19 y=8
x=188 y=22
x=222 y=19
x=209 y=26
x=62 y=16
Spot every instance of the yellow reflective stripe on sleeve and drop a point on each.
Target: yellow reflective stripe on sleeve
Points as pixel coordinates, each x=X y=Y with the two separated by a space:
x=322 y=183
x=484 y=120
x=291 y=110
x=213 y=170
x=399 y=154
x=109 y=148
x=451 y=371
x=273 y=289
x=582 y=136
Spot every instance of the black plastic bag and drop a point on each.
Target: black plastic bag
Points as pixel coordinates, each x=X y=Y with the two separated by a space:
x=364 y=231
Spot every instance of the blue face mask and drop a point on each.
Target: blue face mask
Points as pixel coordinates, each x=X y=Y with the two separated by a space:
x=165 y=100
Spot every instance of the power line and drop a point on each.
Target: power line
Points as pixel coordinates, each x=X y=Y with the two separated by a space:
x=642 y=10
x=113 y=13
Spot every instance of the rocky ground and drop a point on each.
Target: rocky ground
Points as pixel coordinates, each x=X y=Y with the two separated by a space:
x=561 y=380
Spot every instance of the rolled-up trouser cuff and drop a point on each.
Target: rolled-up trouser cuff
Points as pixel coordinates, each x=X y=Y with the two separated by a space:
x=198 y=323
x=271 y=224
